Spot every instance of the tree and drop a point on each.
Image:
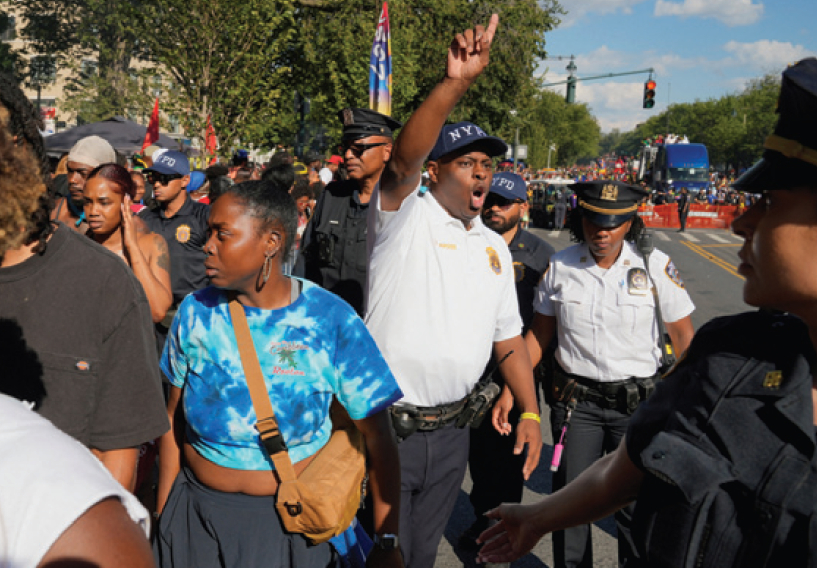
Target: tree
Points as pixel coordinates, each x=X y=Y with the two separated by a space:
x=10 y=61
x=233 y=64
x=336 y=40
x=74 y=32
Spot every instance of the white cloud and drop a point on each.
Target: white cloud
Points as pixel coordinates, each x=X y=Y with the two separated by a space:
x=576 y=9
x=766 y=54
x=730 y=12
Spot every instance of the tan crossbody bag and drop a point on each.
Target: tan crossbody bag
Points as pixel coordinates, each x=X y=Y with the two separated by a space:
x=323 y=500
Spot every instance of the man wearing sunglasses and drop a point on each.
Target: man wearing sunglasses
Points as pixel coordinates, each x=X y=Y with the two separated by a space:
x=183 y=224
x=496 y=473
x=334 y=243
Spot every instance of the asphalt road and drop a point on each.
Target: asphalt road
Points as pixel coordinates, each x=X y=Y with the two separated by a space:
x=707 y=260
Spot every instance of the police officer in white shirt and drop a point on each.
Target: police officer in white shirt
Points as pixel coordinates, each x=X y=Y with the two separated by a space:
x=441 y=296
x=597 y=297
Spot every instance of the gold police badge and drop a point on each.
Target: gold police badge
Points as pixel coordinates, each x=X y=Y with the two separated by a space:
x=183 y=233
x=493 y=260
x=609 y=192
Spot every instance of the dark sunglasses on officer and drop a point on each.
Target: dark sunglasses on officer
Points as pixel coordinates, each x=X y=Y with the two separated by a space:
x=359 y=149
x=494 y=200
x=162 y=179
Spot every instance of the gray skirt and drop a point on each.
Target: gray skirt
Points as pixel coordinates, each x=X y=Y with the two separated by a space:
x=204 y=528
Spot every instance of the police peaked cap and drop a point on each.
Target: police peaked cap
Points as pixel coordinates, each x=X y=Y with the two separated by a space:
x=608 y=203
x=363 y=122
x=790 y=156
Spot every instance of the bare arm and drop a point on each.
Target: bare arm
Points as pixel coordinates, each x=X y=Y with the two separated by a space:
x=150 y=260
x=121 y=463
x=104 y=537
x=605 y=487
x=539 y=336
x=468 y=56
x=384 y=481
x=170 y=448
x=518 y=373
x=681 y=333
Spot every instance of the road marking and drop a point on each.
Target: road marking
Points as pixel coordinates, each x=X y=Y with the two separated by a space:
x=663 y=236
x=554 y=233
x=717 y=261
x=737 y=237
x=716 y=238
x=689 y=237
x=728 y=245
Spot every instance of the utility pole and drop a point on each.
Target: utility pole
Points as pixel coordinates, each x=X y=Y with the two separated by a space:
x=570 y=96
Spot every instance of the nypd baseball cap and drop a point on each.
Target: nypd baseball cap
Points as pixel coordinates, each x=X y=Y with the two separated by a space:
x=454 y=137
x=510 y=186
x=171 y=162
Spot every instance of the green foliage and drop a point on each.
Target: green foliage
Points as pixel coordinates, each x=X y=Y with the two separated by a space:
x=10 y=61
x=335 y=44
x=732 y=127
x=226 y=59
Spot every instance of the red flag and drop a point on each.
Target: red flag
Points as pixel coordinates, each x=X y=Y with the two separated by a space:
x=210 y=141
x=152 y=134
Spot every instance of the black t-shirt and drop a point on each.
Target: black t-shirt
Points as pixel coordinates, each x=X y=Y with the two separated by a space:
x=77 y=335
x=186 y=234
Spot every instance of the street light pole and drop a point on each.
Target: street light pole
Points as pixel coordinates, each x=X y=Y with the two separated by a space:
x=551 y=148
x=515 y=138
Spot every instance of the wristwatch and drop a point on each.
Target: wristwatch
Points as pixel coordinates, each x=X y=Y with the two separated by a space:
x=386 y=541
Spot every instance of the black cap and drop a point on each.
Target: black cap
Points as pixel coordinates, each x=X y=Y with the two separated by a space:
x=457 y=136
x=790 y=156
x=608 y=203
x=363 y=122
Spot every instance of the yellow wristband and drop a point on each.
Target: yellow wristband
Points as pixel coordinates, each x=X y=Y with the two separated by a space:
x=530 y=416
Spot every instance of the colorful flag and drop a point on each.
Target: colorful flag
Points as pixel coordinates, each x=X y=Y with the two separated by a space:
x=380 y=66
x=152 y=134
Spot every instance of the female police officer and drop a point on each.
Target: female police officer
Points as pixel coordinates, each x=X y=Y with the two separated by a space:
x=597 y=298
x=722 y=457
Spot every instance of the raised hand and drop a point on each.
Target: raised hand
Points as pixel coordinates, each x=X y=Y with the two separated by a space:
x=469 y=52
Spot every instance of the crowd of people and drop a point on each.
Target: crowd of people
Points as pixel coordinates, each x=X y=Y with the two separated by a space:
x=393 y=289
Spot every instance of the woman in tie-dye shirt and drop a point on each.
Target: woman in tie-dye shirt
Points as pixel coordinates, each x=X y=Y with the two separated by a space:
x=218 y=509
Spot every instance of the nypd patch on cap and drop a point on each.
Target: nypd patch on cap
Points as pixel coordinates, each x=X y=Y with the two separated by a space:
x=510 y=186
x=457 y=136
x=608 y=203
x=363 y=122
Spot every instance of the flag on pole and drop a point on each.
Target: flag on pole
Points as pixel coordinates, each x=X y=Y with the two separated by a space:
x=380 y=66
x=210 y=142
x=152 y=134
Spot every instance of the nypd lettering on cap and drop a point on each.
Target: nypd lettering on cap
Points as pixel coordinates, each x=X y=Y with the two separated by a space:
x=468 y=131
x=510 y=186
x=453 y=137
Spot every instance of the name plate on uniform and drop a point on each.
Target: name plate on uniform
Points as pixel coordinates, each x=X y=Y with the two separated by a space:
x=637 y=284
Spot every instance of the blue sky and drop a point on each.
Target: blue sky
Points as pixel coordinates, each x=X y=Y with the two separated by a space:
x=700 y=49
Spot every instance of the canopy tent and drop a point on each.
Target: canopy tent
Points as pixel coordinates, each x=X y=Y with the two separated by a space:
x=124 y=135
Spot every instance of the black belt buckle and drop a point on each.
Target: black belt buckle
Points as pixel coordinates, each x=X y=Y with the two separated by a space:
x=404 y=420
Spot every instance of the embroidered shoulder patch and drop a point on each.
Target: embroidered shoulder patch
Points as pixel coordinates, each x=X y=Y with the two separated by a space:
x=493 y=260
x=674 y=275
x=518 y=271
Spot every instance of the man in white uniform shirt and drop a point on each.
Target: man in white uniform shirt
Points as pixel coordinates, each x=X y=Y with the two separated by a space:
x=441 y=296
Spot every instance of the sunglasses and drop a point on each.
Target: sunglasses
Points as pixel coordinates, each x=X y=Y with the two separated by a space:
x=359 y=149
x=162 y=179
x=494 y=200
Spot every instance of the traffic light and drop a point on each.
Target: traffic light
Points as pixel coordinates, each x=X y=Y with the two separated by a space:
x=649 y=94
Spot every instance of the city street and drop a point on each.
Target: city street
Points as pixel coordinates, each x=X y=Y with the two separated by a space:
x=707 y=260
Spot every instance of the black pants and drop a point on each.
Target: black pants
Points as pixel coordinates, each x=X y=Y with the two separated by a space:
x=593 y=432
x=432 y=467
x=682 y=216
x=495 y=471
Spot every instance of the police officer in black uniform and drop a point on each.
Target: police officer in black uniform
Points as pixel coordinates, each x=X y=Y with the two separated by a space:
x=183 y=224
x=495 y=471
x=333 y=249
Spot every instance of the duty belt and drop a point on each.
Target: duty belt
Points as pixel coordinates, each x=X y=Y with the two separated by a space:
x=408 y=418
x=614 y=395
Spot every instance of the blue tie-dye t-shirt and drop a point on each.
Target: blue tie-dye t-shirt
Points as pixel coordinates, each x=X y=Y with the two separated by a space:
x=309 y=350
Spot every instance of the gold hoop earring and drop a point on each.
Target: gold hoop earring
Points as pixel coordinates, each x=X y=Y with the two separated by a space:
x=268 y=266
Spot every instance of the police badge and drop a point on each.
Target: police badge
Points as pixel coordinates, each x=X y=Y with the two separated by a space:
x=637 y=283
x=493 y=260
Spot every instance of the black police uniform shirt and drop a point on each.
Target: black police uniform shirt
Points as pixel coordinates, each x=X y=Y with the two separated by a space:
x=727 y=442
x=333 y=248
x=186 y=234
x=531 y=256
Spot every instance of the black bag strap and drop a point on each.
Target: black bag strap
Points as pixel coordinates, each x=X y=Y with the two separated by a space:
x=645 y=247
